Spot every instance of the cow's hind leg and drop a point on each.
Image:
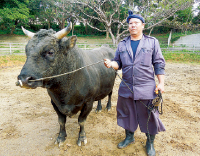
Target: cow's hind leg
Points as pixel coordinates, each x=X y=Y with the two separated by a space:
x=81 y=120
x=61 y=120
x=99 y=107
x=108 y=107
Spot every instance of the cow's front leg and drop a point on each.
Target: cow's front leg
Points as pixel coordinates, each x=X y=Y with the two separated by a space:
x=81 y=120
x=61 y=120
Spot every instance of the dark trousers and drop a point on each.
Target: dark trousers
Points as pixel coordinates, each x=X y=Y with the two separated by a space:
x=131 y=113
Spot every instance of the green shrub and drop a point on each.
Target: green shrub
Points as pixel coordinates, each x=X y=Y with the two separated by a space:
x=182 y=57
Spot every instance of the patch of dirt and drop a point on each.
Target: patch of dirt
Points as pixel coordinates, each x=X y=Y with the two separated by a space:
x=29 y=125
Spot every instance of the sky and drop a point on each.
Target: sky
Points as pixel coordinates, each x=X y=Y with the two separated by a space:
x=196 y=4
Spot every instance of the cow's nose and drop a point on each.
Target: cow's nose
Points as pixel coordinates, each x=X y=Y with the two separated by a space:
x=23 y=81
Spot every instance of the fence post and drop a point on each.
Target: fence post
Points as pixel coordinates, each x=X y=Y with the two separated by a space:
x=193 y=48
x=10 y=49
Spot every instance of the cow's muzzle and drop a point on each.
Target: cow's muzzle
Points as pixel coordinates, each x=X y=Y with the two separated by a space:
x=24 y=82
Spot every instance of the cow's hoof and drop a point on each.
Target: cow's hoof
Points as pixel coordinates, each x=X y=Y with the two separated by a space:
x=60 y=141
x=60 y=144
x=80 y=140
x=108 y=109
x=98 y=111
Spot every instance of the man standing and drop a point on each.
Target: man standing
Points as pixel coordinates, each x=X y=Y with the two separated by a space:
x=140 y=57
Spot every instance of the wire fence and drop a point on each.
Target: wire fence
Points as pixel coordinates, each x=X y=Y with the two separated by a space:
x=19 y=48
x=181 y=48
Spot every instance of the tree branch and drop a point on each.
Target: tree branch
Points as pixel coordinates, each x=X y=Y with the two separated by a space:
x=95 y=27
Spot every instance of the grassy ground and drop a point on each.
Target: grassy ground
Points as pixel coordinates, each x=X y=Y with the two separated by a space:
x=182 y=57
x=12 y=60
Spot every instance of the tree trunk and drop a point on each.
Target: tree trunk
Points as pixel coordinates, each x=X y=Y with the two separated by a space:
x=112 y=36
x=107 y=34
x=72 y=29
x=86 y=29
x=12 y=30
x=117 y=39
x=14 y=26
x=63 y=24
x=48 y=24
x=150 y=31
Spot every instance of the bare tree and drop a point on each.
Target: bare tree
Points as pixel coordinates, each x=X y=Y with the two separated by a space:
x=104 y=11
x=111 y=12
x=157 y=12
x=63 y=11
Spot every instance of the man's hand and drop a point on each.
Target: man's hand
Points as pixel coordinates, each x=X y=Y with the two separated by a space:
x=160 y=86
x=107 y=63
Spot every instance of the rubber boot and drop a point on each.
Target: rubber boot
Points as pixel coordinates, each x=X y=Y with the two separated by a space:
x=128 y=140
x=150 y=145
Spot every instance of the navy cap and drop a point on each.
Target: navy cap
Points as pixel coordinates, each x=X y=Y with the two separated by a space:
x=134 y=16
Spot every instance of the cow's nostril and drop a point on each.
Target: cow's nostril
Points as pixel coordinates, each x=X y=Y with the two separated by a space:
x=28 y=79
x=25 y=81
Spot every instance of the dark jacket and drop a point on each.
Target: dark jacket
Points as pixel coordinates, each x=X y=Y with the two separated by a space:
x=139 y=72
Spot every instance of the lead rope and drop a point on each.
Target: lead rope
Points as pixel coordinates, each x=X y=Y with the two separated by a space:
x=148 y=107
x=67 y=72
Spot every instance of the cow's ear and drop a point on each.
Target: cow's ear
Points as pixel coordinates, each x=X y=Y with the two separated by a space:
x=72 y=42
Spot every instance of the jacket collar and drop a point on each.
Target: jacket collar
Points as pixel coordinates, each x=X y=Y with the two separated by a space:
x=128 y=45
x=140 y=45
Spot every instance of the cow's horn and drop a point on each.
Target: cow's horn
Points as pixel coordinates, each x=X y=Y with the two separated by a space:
x=62 y=33
x=28 y=33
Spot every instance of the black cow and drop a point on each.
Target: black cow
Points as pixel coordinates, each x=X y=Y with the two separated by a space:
x=50 y=53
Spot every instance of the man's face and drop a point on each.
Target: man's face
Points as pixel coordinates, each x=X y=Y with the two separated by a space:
x=135 y=26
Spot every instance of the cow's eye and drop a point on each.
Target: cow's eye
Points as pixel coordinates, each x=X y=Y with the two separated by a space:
x=50 y=53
